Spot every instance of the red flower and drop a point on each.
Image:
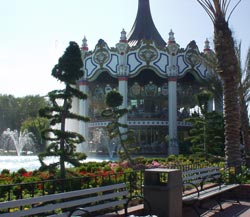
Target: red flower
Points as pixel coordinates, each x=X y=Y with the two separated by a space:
x=40 y=186
x=27 y=174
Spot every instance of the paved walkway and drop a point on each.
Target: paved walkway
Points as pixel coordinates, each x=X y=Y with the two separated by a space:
x=230 y=210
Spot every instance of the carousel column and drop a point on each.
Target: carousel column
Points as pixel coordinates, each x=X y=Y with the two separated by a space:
x=210 y=105
x=173 y=47
x=123 y=90
x=209 y=54
x=172 y=116
x=83 y=110
x=72 y=124
x=218 y=104
x=122 y=48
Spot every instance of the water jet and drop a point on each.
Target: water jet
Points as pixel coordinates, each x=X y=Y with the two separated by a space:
x=12 y=141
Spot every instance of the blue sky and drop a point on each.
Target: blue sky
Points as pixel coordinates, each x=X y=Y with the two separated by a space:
x=35 y=33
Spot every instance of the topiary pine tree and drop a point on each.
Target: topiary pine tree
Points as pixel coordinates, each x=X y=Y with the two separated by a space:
x=207 y=132
x=63 y=143
x=115 y=128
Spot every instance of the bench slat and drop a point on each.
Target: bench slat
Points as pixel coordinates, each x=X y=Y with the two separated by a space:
x=200 y=170
x=102 y=193
x=104 y=206
x=59 y=196
x=201 y=176
x=209 y=192
x=73 y=203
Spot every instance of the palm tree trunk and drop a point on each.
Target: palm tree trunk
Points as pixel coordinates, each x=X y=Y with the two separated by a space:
x=227 y=63
x=232 y=125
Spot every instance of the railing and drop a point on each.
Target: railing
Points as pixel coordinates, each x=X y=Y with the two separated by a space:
x=141 y=122
x=134 y=181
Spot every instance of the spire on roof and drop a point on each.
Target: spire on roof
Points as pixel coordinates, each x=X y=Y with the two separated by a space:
x=207 y=47
x=171 y=39
x=84 y=44
x=123 y=37
x=144 y=27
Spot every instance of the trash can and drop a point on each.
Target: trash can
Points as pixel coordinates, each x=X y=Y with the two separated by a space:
x=163 y=191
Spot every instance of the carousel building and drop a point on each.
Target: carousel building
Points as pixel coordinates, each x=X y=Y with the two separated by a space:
x=157 y=79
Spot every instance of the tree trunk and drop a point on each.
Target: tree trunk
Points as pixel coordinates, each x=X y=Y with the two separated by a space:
x=227 y=63
x=232 y=124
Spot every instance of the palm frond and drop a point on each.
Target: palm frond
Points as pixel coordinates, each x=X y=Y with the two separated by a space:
x=218 y=8
x=208 y=7
x=246 y=78
x=247 y=62
x=232 y=10
x=240 y=75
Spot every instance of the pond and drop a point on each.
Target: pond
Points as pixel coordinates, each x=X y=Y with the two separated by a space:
x=31 y=162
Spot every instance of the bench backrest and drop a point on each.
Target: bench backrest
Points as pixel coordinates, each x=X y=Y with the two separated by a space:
x=197 y=176
x=93 y=198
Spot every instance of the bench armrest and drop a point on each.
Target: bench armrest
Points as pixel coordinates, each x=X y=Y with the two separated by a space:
x=194 y=185
x=130 y=199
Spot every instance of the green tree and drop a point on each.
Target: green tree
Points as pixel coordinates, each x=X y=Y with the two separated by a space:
x=8 y=112
x=116 y=129
x=203 y=98
x=28 y=107
x=13 y=111
x=244 y=96
x=207 y=133
x=63 y=142
x=227 y=68
x=215 y=138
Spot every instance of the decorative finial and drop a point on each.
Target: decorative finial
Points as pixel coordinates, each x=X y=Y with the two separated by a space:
x=173 y=47
x=171 y=39
x=84 y=44
x=206 y=47
x=123 y=37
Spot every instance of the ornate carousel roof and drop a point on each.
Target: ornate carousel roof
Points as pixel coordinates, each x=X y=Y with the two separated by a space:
x=144 y=50
x=144 y=27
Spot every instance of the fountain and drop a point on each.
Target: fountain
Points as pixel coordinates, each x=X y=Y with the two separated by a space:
x=12 y=141
x=101 y=144
x=110 y=144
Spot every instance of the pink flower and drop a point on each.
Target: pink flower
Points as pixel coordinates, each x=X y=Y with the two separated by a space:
x=155 y=164
x=124 y=164
x=113 y=165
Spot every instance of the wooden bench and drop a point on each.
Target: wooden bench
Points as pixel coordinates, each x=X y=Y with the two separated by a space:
x=204 y=183
x=68 y=204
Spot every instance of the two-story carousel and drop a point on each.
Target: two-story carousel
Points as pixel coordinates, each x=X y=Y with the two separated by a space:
x=157 y=79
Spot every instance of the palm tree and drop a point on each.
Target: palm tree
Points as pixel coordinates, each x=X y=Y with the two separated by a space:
x=244 y=96
x=227 y=68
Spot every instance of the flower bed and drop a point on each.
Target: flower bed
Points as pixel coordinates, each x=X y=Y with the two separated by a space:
x=24 y=183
